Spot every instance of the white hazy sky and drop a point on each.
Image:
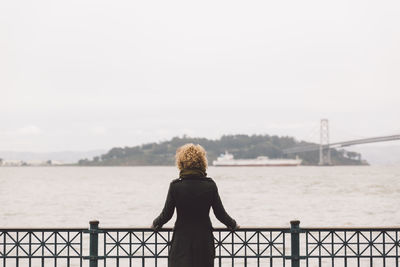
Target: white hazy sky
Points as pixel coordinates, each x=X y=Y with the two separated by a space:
x=86 y=74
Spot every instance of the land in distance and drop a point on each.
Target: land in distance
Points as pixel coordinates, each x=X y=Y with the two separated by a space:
x=240 y=145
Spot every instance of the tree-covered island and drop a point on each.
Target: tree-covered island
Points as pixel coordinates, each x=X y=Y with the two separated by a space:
x=241 y=146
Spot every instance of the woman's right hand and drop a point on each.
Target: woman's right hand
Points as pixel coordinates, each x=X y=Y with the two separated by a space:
x=237 y=226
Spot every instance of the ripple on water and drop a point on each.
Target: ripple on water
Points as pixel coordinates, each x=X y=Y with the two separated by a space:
x=133 y=196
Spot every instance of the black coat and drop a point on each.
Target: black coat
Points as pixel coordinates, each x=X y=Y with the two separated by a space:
x=192 y=241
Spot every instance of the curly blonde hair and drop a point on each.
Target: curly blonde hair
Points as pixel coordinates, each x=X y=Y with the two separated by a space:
x=191 y=156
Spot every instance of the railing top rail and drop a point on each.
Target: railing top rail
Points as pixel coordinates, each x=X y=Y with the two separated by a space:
x=41 y=229
x=215 y=229
x=339 y=228
x=389 y=228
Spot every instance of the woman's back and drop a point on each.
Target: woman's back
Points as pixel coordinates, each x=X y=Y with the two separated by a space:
x=193 y=194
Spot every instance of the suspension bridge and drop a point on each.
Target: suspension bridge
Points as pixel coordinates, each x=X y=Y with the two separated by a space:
x=325 y=146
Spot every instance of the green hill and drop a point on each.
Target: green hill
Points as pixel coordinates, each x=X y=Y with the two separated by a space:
x=241 y=146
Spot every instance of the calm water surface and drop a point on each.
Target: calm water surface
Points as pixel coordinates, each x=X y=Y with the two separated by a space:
x=134 y=196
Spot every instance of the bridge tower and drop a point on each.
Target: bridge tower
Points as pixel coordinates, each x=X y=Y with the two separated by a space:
x=324 y=149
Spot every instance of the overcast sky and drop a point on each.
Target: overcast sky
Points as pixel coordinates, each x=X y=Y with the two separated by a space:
x=86 y=74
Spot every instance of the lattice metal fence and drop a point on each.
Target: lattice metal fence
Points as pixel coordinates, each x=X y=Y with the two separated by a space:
x=352 y=247
x=42 y=247
x=244 y=247
x=281 y=247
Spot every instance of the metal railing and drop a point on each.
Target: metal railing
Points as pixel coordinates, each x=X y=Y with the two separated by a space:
x=292 y=246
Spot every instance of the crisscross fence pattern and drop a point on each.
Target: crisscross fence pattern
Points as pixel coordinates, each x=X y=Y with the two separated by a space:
x=41 y=247
x=244 y=247
x=352 y=247
x=127 y=247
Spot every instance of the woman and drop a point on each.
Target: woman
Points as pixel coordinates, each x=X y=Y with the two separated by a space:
x=192 y=194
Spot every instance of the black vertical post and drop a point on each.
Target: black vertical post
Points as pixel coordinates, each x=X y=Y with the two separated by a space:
x=295 y=244
x=94 y=243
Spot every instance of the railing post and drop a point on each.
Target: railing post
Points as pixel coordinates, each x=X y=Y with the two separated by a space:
x=94 y=243
x=295 y=244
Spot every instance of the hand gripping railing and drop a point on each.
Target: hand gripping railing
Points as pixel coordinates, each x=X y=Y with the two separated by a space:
x=116 y=247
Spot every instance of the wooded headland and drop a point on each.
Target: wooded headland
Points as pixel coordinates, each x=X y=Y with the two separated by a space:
x=241 y=146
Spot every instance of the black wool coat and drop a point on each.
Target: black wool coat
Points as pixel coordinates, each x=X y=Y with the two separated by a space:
x=192 y=241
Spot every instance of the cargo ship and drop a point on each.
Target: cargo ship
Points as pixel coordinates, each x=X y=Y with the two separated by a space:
x=227 y=160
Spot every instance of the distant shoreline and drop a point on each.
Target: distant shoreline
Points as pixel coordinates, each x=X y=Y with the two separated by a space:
x=219 y=167
x=240 y=146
